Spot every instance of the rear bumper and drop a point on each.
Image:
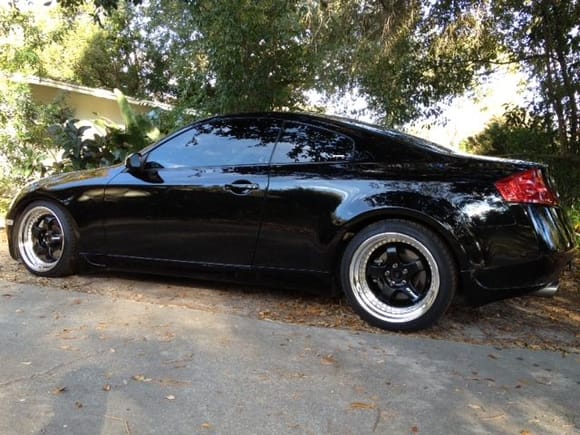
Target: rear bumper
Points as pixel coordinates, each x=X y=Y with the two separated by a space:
x=538 y=278
x=528 y=257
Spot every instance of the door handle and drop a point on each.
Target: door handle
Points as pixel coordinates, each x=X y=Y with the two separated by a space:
x=241 y=187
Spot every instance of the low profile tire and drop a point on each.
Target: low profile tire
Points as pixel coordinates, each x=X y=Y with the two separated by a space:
x=398 y=275
x=46 y=240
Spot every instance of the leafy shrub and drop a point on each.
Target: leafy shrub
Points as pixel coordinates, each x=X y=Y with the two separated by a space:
x=520 y=135
x=25 y=144
x=84 y=147
x=6 y=194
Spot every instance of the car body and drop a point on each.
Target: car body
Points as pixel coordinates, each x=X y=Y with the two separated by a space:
x=397 y=222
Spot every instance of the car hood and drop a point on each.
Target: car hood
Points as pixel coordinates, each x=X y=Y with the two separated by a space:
x=89 y=177
x=57 y=186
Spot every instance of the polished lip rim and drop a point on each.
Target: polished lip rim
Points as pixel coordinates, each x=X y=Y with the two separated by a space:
x=366 y=297
x=26 y=239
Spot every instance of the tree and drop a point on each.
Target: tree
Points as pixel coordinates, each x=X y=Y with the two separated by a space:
x=543 y=37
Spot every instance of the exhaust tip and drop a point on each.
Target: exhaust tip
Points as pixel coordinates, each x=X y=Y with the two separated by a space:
x=548 y=291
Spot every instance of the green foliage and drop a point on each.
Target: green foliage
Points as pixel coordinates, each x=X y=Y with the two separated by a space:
x=38 y=139
x=542 y=37
x=516 y=132
x=574 y=213
x=25 y=145
x=6 y=194
x=84 y=147
x=520 y=134
x=225 y=55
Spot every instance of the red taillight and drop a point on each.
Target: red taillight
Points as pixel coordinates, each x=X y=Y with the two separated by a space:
x=527 y=187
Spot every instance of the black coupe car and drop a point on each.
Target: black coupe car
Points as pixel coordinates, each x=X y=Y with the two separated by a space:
x=396 y=223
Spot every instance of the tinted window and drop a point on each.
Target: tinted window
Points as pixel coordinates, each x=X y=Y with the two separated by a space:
x=221 y=142
x=300 y=143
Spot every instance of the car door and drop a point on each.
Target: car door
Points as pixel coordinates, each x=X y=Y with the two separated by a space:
x=199 y=198
x=309 y=181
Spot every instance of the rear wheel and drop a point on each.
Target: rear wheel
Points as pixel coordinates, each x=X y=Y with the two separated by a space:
x=46 y=240
x=398 y=275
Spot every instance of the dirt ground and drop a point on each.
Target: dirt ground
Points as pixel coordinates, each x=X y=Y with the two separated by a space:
x=526 y=322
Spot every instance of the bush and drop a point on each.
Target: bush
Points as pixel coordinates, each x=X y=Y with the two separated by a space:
x=25 y=145
x=518 y=134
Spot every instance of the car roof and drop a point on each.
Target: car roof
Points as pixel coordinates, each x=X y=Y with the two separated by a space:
x=316 y=118
x=346 y=125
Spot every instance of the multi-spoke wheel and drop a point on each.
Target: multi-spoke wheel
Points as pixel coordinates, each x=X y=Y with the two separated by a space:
x=398 y=275
x=45 y=239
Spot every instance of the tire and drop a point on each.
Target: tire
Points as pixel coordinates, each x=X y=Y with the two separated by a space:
x=398 y=275
x=46 y=240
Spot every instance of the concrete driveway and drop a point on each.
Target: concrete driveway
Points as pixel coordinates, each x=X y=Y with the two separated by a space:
x=88 y=364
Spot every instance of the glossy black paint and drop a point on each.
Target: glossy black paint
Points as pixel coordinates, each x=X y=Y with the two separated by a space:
x=294 y=218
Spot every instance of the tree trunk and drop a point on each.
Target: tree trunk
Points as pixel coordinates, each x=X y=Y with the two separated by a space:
x=552 y=80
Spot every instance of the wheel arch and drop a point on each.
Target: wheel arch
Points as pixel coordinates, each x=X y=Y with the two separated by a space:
x=18 y=208
x=461 y=257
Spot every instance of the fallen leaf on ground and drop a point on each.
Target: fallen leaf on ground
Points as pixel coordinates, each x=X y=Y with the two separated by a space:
x=493 y=417
x=106 y=387
x=206 y=426
x=170 y=397
x=141 y=378
x=362 y=405
x=328 y=360
x=59 y=390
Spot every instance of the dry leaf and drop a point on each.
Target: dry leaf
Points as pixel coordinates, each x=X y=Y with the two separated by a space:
x=141 y=378
x=59 y=390
x=328 y=360
x=106 y=387
x=362 y=405
x=170 y=397
x=415 y=429
x=206 y=426
x=493 y=417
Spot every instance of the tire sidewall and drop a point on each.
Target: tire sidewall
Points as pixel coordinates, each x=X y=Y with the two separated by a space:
x=66 y=264
x=441 y=254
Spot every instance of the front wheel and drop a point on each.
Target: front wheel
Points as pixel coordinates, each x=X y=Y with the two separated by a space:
x=398 y=275
x=46 y=240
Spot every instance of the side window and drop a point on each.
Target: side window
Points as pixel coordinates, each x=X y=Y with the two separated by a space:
x=220 y=142
x=300 y=143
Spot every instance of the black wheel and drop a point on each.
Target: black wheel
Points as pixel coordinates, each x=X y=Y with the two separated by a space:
x=46 y=239
x=398 y=275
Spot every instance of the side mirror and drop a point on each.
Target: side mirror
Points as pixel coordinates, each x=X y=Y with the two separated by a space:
x=134 y=162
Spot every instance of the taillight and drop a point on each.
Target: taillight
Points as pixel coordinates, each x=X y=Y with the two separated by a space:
x=526 y=187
